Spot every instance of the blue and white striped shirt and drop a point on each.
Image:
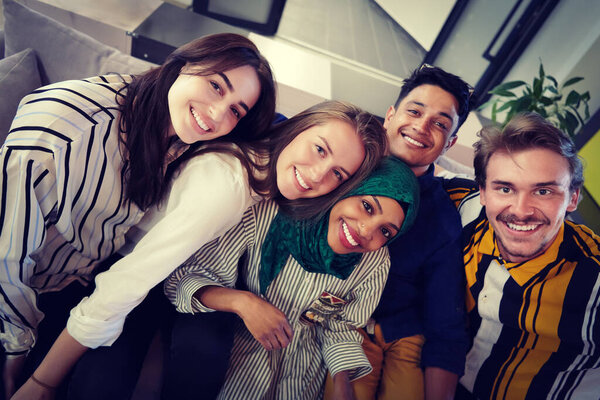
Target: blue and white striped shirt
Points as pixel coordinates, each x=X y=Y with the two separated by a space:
x=297 y=371
x=62 y=200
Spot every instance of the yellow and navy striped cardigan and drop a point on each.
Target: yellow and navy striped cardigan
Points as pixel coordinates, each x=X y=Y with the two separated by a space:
x=535 y=325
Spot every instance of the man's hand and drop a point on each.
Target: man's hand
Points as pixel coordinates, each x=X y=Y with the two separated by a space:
x=439 y=384
x=266 y=323
x=342 y=389
x=13 y=366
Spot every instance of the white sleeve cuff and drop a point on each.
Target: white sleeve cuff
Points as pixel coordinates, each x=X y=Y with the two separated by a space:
x=91 y=332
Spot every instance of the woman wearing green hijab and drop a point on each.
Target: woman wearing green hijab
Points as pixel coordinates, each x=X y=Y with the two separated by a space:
x=307 y=286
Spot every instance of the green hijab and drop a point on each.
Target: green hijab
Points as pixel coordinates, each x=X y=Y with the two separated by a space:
x=306 y=240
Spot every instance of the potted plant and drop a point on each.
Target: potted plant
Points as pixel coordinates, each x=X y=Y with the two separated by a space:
x=546 y=97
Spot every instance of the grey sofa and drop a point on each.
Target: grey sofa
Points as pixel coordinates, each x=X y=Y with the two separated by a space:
x=36 y=50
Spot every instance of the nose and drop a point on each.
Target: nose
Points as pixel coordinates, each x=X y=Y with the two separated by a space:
x=420 y=125
x=523 y=205
x=217 y=111
x=366 y=230
x=318 y=171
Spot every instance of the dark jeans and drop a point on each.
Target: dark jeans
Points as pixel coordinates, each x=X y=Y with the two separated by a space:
x=56 y=307
x=112 y=372
x=199 y=355
x=106 y=372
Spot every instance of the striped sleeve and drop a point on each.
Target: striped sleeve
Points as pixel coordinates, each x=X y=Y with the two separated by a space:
x=54 y=163
x=214 y=264
x=459 y=189
x=27 y=181
x=341 y=344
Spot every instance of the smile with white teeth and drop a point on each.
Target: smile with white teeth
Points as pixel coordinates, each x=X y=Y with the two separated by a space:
x=349 y=237
x=522 y=228
x=413 y=141
x=300 y=180
x=200 y=123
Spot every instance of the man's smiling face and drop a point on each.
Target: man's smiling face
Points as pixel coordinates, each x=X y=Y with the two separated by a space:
x=420 y=129
x=526 y=197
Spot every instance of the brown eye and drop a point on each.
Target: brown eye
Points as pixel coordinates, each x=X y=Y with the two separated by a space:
x=216 y=87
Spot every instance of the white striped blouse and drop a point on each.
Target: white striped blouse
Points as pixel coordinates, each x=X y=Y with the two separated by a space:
x=297 y=371
x=62 y=205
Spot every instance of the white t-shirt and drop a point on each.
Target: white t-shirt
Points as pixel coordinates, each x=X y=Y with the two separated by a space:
x=207 y=198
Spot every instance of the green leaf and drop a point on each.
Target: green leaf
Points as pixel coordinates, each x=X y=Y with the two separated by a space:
x=571 y=122
x=552 y=89
x=587 y=111
x=585 y=96
x=502 y=92
x=572 y=99
x=562 y=122
x=543 y=112
x=572 y=81
x=553 y=80
x=509 y=85
x=542 y=74
x=537 y=87
x=487 y=104
x=546 y=100
x=579 y=119
x=494 y=111
x=507 y=105
x=523 y=104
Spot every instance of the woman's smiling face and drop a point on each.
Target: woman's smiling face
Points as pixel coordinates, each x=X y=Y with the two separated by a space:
x=205 y=107
x=319 y=160
x=359 y=224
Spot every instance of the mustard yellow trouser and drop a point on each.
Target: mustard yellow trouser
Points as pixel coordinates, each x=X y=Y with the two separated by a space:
x=396 y=374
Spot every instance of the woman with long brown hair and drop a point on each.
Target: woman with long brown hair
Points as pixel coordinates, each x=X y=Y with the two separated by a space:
x=85 y=159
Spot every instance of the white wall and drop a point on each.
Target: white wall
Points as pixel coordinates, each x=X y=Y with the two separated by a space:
x=568 y=45
x=422 y=20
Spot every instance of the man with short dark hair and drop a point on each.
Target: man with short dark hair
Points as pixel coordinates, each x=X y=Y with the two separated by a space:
x=533 y=278
x=422 y=306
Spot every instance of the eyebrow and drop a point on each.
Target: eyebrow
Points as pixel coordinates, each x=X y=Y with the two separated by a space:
x=227 y=81
x=442 y=113
x=539 y=184
x=381 y=212
x=232 y=89
x=331 y=152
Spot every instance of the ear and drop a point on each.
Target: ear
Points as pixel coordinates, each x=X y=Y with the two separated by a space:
x=388 y=116
x=450 y=143
x=573 y=201
x=482 y=200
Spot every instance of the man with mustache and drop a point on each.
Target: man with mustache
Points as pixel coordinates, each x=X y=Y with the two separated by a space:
x=533 y=278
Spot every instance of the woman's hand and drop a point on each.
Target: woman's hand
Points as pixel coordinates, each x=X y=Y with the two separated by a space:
x=266 y=323
x=342 y=389
x=33 y=391
x=13 y=365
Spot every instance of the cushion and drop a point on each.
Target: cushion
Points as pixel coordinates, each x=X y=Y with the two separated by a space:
x=63 y=52
x=18 y=76
x=1 y=44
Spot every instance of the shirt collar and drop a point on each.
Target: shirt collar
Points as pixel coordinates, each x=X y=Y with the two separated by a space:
x=524 y=271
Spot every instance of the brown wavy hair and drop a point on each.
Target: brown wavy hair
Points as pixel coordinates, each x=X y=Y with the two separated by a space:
x=145 y=116
x=366 y=126
x=526 y=131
